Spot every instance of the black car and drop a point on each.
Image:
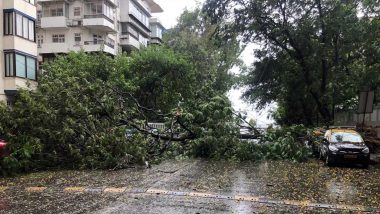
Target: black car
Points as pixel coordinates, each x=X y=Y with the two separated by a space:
x=342 y=145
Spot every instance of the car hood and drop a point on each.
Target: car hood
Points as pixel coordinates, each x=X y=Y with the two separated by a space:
x=349 y=145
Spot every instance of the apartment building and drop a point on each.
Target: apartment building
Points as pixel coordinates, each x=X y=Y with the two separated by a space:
x=111 y=26
x=18 y=48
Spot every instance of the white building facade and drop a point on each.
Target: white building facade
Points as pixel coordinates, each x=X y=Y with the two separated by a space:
x=18 y=48
x=111 y=26
x=37 y=30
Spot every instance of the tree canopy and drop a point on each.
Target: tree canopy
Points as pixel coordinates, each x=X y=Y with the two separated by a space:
x=314 y=55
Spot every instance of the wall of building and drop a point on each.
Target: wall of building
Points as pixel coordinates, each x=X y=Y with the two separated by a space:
x=12 y=42
x=352 y=119
x=2 y=72
x=70 y=27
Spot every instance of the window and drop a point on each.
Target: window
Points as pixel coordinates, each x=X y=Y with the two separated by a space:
x=100 y=8
x=94 y=8
x=345 y=137
x=143 y=40
x=97 y=39
x=18 y=25
x=55 y=9
x=39 y=16
x=23 y=26
x=139 y=14
x=77 y=38
x=20 y=65
x=110 y=42
x=9 y=62
x=8 y=23
x=129 y=29
x=31 y=30
x=40 y=40
x=58 y=38
x=31 y=68
x=77 y=11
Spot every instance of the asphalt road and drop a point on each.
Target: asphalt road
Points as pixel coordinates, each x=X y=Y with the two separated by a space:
x=197 y=186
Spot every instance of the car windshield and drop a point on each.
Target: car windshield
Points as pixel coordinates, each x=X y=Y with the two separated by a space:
x=340 y=137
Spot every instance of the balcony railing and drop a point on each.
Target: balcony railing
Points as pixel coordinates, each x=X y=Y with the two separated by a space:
x=98 y=16
x=99 y=42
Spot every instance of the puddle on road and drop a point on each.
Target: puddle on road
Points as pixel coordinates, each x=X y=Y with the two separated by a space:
x=341 y=192
x=240 y=185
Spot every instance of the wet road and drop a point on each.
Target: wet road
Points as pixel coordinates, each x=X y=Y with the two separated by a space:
x=197 y=186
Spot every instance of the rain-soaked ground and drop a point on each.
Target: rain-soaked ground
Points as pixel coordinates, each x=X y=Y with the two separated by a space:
x=197 y=186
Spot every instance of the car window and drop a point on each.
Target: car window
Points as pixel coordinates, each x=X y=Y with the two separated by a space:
x=339 y=137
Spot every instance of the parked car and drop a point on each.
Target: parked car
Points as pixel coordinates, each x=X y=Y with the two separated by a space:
x=3 y=151
x=343 y=145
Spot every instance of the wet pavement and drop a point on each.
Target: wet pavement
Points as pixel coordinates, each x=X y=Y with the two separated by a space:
x=197 y=186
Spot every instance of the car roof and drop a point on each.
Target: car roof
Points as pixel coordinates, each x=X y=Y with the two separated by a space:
x=343 y=130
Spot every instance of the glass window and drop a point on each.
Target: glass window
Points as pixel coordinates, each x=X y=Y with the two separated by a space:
x=40 y=40
x=31 y=68
x=139 y=14
x=18 y=25
x=8 y=23
x=77 y=38
x=97 y=39
x=31 y=30
x=20 y=65
x=25 y=27
x=66 y=10
x=58 y=38
x=9 y=62
x=77 y=11
x=54 y=9
x=346 y=137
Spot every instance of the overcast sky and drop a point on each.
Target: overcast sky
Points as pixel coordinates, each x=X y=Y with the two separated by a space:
x=172 y=10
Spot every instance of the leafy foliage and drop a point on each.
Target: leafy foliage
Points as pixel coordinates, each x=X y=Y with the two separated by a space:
x=314 y=55
x=277 y=144
x=79 y=114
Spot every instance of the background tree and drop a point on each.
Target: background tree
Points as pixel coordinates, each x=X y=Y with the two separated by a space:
x=310 y=53
x=210 y=112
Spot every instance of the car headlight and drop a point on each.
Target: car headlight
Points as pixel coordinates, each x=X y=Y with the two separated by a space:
x=333 y=149
x=366 y=150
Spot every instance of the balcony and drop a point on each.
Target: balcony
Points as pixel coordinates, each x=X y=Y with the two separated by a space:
x=14 y=83
x=99 y=45
x=53 y=48
x=20 y=5
x=99 y=22
x=128 y=43
x=54 y=22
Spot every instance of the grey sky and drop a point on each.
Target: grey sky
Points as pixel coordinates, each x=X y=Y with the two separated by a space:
x=174 y=8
